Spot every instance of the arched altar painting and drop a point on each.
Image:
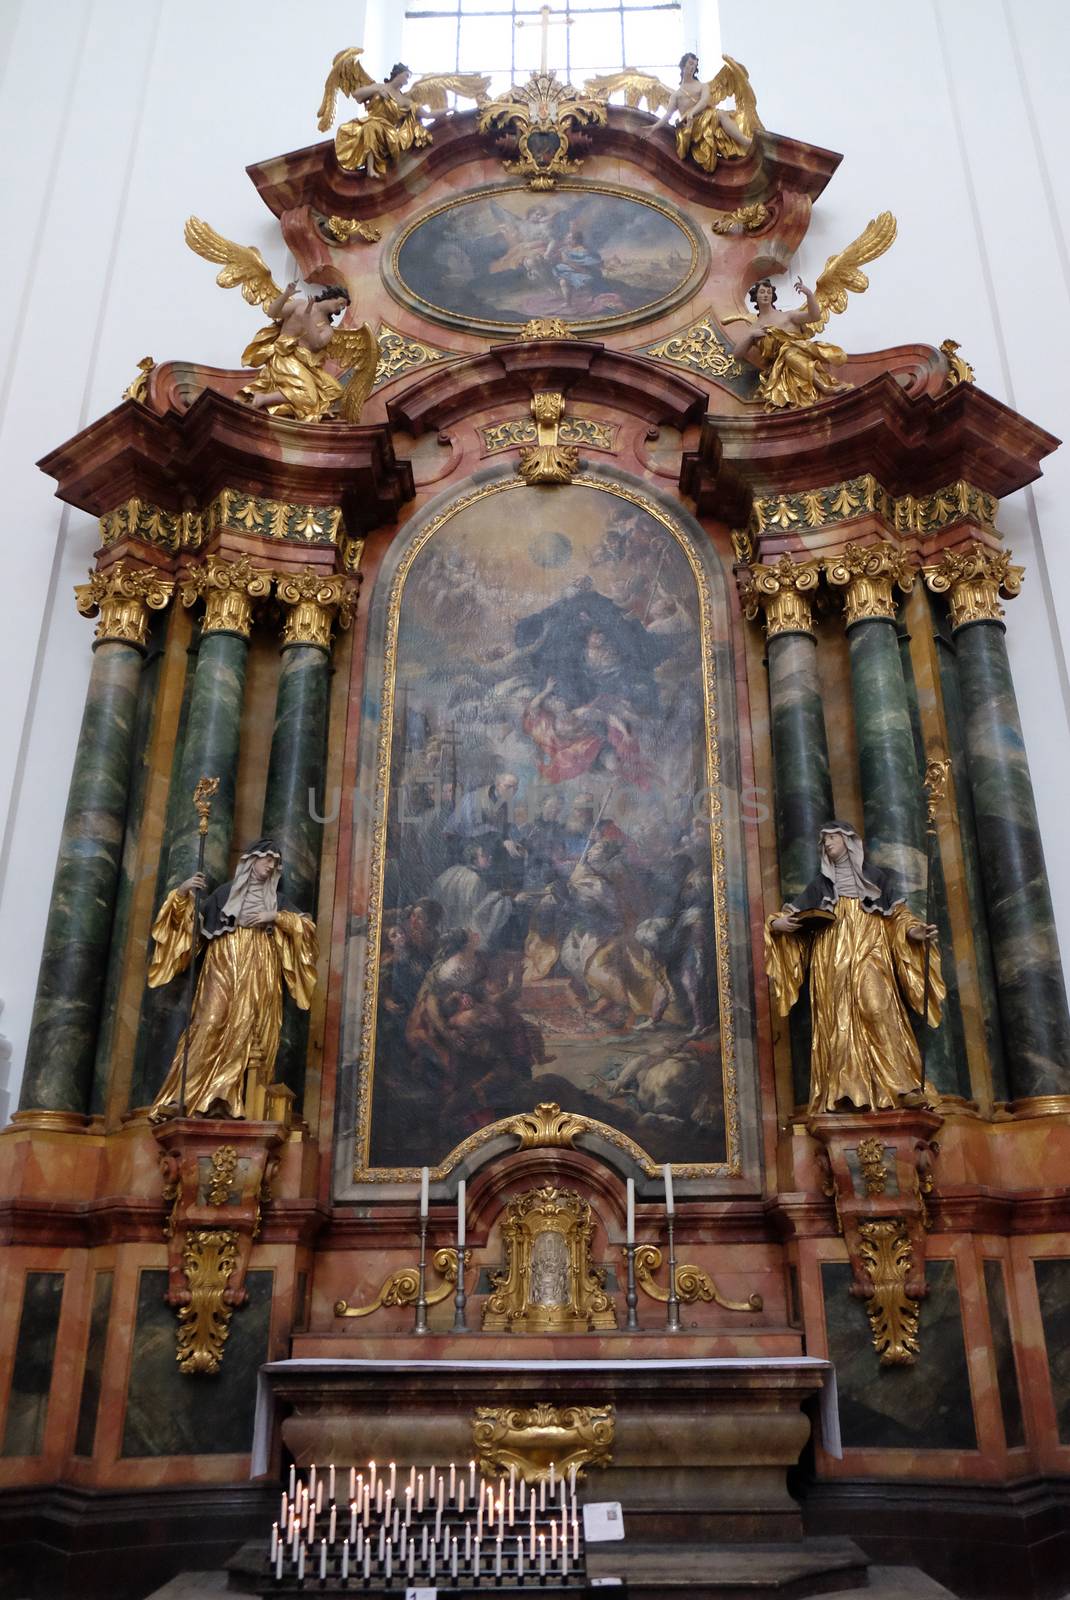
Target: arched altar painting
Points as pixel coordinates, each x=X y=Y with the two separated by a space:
x=548 y=909
x=597 y=257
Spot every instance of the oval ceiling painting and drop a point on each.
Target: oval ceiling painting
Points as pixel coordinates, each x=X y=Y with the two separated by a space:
x=595 y=257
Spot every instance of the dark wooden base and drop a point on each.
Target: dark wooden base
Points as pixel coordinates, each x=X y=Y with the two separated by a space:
x=984 y=1541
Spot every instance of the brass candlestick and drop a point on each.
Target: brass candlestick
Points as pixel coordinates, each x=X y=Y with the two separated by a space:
x=672 y=1321
x=631 y=1298
x=459 y=1323
x=420 y=1325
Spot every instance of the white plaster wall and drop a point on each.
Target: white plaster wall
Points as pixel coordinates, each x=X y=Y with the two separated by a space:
x=118 y=120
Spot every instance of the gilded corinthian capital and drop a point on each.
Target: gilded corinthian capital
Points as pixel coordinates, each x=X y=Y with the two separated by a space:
x=867 y=574
x=313 y=601
x=781 y=593
x=123 y=596
x=228 y=589
x=973 y=580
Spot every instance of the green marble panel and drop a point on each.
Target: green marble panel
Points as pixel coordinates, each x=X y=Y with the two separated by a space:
x=35 y=1353
x=62 y=1045
x=1021 y=923
x=923 y=1407
x=1053 y=1292
x=1010 y=1399
x=169 y=1413
x=89 y=1404
x=888 y=771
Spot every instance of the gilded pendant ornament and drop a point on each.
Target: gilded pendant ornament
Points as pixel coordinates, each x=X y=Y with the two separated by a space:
x=346 y=229
x=210 y=1256
x=228 y=589
x=402 y=1288
x=548 y=461
x=973 y=580
x=781 y=594
x=692 y=1283
x=221 y=1173
x=547 y=110
x=549 y=1283
x=123 y=596
x=700 y=348
x=744 y=219
x=530 y=1438
x=871 y=1165
x=893 y=1316
x=867 y=574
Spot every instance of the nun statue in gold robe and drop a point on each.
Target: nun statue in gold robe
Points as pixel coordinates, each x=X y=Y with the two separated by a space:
x=254 y=941
x=864 y=952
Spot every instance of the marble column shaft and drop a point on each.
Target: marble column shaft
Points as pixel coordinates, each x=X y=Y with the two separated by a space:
x=60 y=1056
x=800 y=758
x=1021 y=923
x=211 y=747
x=888 y=768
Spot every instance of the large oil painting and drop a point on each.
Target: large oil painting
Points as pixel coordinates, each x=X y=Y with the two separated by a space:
x=546 y=912
x=596 y=258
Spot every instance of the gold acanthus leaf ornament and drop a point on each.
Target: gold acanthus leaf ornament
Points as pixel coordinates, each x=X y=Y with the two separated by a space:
x=209 y=1258
x=545 y=109
x=958 y=368
x=549 y=461
x=547 y=1125
x=530 y=1438
x=884 y=1247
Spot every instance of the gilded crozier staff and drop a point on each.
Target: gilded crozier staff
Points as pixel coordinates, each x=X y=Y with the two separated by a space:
x=255 y=941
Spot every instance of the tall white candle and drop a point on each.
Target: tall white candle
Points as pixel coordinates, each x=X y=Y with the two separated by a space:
x=371 y=1476
x=630 y=1235
x=460 y=1494
x=301 y=1563
x=323 y=1559
x=389 y=1562
x=410 y=1564
x=542 y=1555
x=453 y=1481
x=461 y=1187
x=497 y=1558
x=345 y=1559
x=278 y=1564
x=330 y=1482
x=352 y=1483
x=669 y=1206
x=472 y=1479
x=575 y=1539
x=420 y=1494
x=368 y=1559
x=553 y=1476
x=393 y=1477
x=520 y=1559
x=425 y=1177
x=274 y=1540
x=453 y=1559
x=333 y=1526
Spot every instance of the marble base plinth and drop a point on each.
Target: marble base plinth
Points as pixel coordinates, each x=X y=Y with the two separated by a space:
x=701 y=1446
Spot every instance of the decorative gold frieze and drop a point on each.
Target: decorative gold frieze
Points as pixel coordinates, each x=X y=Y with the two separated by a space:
x=547 y=1125
x=272 y=519
x=549 y=110
x=228 y=589
x=523 y=431
x=402 y=1288
x=398 y=353
x=313 y=601
x=346 y=229
x=209 y=1258
x=692 y=1283
x=973 y=580
x=139 y=389
x=744 y=219
x=958 y=368
x=545 y=328
x=858 y=497
x=549 y=461
x=884 y=1247
x=781 y=592
x=700 y=348
x=549 y=1283
x=530 y=1438
x=148 y=524
x=867 y=575
x=123 y=596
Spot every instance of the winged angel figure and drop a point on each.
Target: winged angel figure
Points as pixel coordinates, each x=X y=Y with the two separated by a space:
x=703 y=130
x=289 y=354
x=794 y=364
x=392 y=123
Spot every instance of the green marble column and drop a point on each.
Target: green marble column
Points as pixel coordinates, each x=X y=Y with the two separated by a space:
x=1021 y=923
x=803 y=787
x=62 y=1045
x=210 y=748
x=892 y=805
x=296 y=767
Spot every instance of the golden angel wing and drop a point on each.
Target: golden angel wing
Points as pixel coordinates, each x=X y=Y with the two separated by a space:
x=345 y=77
x=843 y=273
x=431 y=92
x=733 y=83
x=356 y=351
x=635 y=86
x=242 y=264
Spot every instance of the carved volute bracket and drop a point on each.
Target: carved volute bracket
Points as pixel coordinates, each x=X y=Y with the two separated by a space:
x=217 y=1176
x=878 y=1173
x=548 y=461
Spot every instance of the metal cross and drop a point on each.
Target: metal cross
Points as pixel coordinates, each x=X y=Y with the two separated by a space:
x=545 y=13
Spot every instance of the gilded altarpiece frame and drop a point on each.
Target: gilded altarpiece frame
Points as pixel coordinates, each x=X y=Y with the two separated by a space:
x=711 y=1134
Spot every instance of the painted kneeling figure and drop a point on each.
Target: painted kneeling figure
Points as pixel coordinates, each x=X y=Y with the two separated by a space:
x=864 y=951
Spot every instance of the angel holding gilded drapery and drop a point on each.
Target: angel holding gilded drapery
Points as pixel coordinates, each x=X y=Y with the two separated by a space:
x=391 y=123
x=704 y=131
x=796 y=367
x=255 y=940
x=291 y=353
x=863 y=950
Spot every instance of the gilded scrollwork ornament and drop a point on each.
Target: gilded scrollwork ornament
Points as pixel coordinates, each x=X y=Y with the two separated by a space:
x=545 y=328
x=958 y=368
x=781 y=593
x=139 y=389
x=209 y=1258
x=974 y=579
x=867 y=575
x=700 y=348
x=884 y=1248
x=401 y=1288
x=547 y=1126
x=530 y=1438
x=693 y=1284
x=542 y=110
x=228 y=589
x=314 y=602
x=548 y=461
x=122 y=596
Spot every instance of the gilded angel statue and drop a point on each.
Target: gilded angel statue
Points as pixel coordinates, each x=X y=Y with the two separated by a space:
x=291 y=352
x=794 y=364
x=392 y=121
x=704 y=131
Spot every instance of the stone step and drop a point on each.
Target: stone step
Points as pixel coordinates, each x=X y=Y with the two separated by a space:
x=812 y=1567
